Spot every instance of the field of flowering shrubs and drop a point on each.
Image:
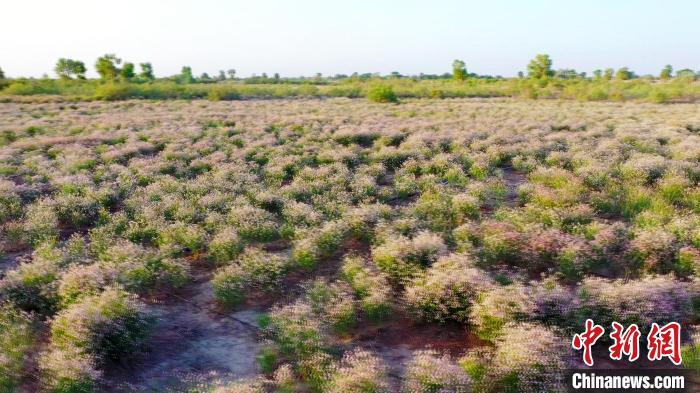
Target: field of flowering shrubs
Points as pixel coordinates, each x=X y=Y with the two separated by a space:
x=338 y=245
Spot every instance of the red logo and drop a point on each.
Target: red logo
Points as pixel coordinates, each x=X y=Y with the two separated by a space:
x=662 y=342
x=665 y=342
x=587 y=339
x=626 y=342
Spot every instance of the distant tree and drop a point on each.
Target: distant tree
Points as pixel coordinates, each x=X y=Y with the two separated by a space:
x=231 y=73
x=623 y=74
x=127 y=72
x=146 y=72
x=2 y=74
x=685 y=73
x=598 y=74
x=521 y=74
x=222 y=76
x=106 y=66
x=66 y=68
x=459 y=70
x=395 y=75
x=540 y=67
x=666 y=72
x=567 y=73
x=204 y=78
x=276 y=76
x=186 y=75
x=608 y=74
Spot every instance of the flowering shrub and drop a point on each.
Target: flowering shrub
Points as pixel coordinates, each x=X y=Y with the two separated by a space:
x=254 y=270
x=16 y=339
x=225 y=246
x=253 y=223
x=497 y=307
x=528 y=358
x=370 y=286
x=107 y=326
x=447 y=290
x=402 y=258
x=32 y=287
x=428 y=371
x=658 y=299
x=359 y=372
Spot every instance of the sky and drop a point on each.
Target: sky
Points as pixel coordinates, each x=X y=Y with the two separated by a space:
x=303 y=37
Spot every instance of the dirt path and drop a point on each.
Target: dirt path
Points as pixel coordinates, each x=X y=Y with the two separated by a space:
x=10 y=261
x=192 y=344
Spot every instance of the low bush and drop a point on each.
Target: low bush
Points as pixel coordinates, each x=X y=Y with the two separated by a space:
x=16 y=340
x=428 y=371
x=382 y=94
x=110 y=325
x=254 y=270
x=359 y=372
x=447 y=290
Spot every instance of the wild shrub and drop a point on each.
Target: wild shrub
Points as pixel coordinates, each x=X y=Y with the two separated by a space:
x=296 y=330
x=69 y=371
x=141 y=270
x=225 y=246
x=369 y=285
x=382 y=94
x=254 y=270
x=402 y=258
x=82 y=281
x=359 y=371
x=447 y=290
x=528 y=358
x=16 y=339
x=31 y=286
x=497 y=307
x=334 y=303
x=253 y=223
x=428 y=371
x=659 y=299
x=110 y=325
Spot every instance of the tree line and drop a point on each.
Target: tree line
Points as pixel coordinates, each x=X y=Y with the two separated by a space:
x=110 y=68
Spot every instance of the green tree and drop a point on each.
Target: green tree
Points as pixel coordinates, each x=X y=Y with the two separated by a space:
x=66 y=68
x=146 y=72
x=231 y=73
x=222 y=76
x=666 y=72
x=540 y=67
x=459 y=70
x=685 y=73
x=106 y=66
x=2 y=74
x=127 y=72
x=598 y=75
x=624 y=74
x=608 y=74
x=186 y=75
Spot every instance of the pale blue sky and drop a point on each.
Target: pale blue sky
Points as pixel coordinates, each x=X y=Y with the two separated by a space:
x=308 y=36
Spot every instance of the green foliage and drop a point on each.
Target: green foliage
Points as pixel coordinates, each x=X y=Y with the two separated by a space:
x=255 y=270
x=186 y=76
x=540 y=67
x=67 y=68
x=127 y=72
x=16 y=339
x=382 y=93
x=666 y=72
x=459 y=70
x=106 y=67
x=107 y=326
x=146 y=73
